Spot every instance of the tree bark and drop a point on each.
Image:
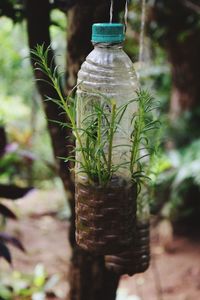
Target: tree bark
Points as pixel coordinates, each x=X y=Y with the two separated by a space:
x=89 y=279
x=184 y=58
x=182 y=43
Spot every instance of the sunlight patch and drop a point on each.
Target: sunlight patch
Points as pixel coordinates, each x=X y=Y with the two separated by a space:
x=122 y=294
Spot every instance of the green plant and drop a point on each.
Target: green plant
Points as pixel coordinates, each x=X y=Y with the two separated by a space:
x=21 y=286
x=95 y=136
x=5 y=238
x=176 y=182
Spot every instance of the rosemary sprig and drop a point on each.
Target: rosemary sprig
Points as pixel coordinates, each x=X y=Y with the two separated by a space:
x=95 y=136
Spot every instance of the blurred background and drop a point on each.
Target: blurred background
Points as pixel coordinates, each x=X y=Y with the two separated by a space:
x=34 y=246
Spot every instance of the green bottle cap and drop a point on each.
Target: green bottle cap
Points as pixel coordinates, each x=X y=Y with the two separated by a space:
x=108 y=33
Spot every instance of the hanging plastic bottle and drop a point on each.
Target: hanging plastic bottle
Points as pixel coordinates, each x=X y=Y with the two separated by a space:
x=105 y=193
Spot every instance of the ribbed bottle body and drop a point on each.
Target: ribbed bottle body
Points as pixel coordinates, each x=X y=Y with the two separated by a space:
x=108 y=74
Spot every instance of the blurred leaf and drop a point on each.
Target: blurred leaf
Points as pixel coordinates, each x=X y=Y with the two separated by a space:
x=52 y=281
x=38 y=296
x=13 y=192
x=39 y=275
x=3 y=140
x=5 y=293
x=4 y=237
x=5 y=253
x=6 y=212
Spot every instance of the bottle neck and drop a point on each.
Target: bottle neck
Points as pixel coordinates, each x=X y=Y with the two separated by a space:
x=108 y=45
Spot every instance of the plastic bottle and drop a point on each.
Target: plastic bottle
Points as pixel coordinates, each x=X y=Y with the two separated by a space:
x=109 y=71
x=106 y=214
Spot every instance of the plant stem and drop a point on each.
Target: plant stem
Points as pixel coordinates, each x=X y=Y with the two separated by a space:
x=56 y=85
x=139 y=123
x=111 y=135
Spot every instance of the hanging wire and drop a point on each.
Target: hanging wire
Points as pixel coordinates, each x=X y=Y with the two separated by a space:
x=111 y=10
x=142 y=31
x=126 y=14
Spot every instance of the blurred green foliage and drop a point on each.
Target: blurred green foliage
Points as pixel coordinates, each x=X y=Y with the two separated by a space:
x=34 y=286
x=13 y=9
x=176 y=180
x=28 y=158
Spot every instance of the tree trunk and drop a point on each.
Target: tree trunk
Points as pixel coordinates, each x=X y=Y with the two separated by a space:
x=89 y=279
x=184 y=58
x=38 y=22
x=182 y=43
